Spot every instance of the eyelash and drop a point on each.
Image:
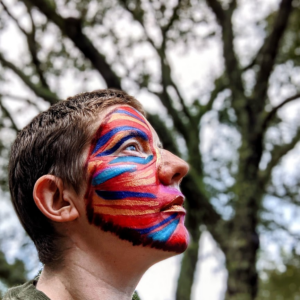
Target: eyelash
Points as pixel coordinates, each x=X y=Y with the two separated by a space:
x=132 y=145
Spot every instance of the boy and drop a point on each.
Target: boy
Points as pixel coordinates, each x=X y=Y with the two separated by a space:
x=98 y=196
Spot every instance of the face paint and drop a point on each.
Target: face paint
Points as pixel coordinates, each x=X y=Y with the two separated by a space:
x=125 y=195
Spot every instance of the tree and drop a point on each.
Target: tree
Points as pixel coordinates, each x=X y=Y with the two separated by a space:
x=281 y=284
x=11 y=274
x=130 y=45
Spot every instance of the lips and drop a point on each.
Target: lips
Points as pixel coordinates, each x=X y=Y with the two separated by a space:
x=176 y=205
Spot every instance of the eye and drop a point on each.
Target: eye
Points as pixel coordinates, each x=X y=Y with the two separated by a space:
x=131 y=148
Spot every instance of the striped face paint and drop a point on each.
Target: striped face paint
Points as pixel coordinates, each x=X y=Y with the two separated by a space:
x=125 y=195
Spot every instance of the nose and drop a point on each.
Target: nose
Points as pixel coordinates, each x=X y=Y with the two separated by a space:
x=171 y=169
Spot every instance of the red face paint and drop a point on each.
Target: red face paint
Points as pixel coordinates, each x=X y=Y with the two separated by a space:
x=125 y=195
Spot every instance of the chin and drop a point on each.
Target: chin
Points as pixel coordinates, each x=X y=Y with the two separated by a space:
x=176 y=243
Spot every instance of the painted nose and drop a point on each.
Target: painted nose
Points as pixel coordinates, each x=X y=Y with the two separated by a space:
x=171 y=169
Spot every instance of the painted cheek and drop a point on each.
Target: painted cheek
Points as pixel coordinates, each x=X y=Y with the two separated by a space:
x=120 y=188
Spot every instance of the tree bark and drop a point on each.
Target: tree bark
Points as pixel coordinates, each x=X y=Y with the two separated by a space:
x=243 y=242
x=188 y=267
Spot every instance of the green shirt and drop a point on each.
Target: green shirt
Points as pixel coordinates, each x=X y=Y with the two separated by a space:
x=27 y=291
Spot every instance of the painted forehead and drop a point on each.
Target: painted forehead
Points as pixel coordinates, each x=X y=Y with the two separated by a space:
x=118 y=126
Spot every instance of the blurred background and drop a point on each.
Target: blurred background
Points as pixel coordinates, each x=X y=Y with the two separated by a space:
x=220 y=82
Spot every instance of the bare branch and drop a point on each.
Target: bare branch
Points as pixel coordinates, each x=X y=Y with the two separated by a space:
x=290 y=197
x=12 y=17
x=232 y=67
x=285 y=228
x=220 y=84
x=216 y=7
x=6 y=113
x=200 y=209
x=165 y=67
x=139 y=17
x=72 y=28
x=22 y=99
x=269 y=53
x=165 y=134
x=273 y=112
x=182 y=102
x=277 y=154
x=174 y=18
x=31 y=43
x=33 y=49
x=167 y=102
x=253 y=61
x=40 y=91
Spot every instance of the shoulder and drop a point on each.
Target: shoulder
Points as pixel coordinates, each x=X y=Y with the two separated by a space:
x=135 y=296
x=26 y=291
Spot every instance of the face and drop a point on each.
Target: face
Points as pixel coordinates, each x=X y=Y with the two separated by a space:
x=133 y=184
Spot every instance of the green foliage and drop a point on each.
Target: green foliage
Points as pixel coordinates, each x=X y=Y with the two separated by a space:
x=281 y=284
x=12 y=274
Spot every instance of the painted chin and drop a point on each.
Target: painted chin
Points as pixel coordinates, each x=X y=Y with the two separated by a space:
x=179 y=240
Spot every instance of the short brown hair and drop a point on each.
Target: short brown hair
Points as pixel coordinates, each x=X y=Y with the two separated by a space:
x=52 y=144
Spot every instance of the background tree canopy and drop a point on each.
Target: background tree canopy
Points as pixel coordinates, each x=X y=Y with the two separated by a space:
x=234 y=118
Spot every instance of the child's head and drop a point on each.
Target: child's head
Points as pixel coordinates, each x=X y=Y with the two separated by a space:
x=94 y=162
x=53 y=143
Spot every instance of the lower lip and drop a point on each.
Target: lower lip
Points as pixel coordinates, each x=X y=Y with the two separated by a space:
x=175 y=208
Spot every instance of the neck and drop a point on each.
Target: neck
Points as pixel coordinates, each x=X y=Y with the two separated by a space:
x=110 y=273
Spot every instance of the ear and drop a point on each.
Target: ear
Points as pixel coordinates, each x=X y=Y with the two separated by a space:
x=53 y=200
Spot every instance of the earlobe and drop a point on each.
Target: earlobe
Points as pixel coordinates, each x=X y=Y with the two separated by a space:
x=52 y=199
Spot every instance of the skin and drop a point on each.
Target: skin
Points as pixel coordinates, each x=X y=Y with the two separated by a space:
x=98 y=264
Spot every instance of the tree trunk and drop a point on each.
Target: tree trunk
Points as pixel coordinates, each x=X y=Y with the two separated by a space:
x=188 y=267
x=243 y=242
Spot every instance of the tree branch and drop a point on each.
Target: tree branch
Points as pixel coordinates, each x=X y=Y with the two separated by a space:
x=33 y=49
x=13 y=18
x=220 y=84
x=138 y=16
x=216 y=7
x=167 y=102
x=200 y=209
x=290 y=197
x=6 y=113
x=40 y=91
x=284 y=228
x=185 y=108
x=72 y=28
x=232 y=68
x=165 y=134
x=188 y=267
x=273 y=112
x=165 y=67
x=22 y=99
x=269 y=53
x=174 y=18
x=31 y=42
x=276 y=155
